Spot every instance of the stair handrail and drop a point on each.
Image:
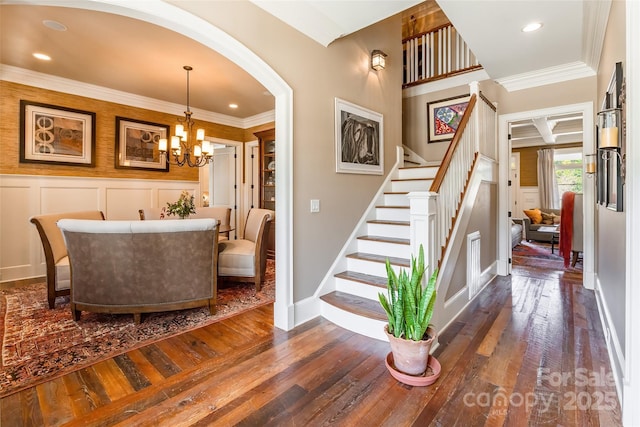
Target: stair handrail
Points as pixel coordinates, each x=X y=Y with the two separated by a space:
x=453 y=176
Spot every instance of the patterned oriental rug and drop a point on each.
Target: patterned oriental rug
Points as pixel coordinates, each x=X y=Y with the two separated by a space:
x=538 y=255
x=39 y=344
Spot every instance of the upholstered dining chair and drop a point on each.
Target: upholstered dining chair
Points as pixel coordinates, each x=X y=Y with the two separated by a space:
x=221 y=213
x=153 y=213
x=55 y=250
x=245 y=260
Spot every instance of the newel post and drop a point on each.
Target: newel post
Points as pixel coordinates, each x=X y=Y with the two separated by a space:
x=423 y=227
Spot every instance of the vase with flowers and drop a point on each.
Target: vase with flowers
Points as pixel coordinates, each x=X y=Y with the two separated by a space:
x=183 y=207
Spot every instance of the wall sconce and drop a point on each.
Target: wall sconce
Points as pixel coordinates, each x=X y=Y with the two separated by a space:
x=590 y=165
x=378 y=60
x=611 y=133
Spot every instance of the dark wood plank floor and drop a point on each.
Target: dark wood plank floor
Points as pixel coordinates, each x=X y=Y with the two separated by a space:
x=529 y=351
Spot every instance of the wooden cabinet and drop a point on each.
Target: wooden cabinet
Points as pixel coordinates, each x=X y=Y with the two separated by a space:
x=267 y=143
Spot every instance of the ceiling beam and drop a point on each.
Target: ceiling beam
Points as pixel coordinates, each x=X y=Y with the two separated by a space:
x=545 y=128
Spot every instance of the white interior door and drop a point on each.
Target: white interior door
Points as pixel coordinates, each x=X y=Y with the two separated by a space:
x=514 y=176
x=223 y=182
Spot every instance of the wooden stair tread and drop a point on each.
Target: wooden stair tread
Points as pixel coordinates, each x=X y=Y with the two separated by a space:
x=367 y=279
x=396 y=193
x=412 y=179
x=391 y=207
x=356 y=305
x=388 y=222
x=402 y=262
x=384 y=239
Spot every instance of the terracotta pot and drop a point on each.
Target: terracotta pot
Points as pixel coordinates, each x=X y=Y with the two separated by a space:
x=411 y=357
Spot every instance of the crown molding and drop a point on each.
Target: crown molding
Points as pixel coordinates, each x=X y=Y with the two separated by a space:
x=60 y=84
x=596 y=16
x=545 y=76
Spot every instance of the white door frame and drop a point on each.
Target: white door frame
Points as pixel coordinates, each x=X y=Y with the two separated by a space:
x=504 y=156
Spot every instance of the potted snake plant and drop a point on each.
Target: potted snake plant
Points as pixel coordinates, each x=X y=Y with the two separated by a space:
x=409 y=307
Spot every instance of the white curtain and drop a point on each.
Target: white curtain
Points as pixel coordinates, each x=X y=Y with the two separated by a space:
x=547 y=183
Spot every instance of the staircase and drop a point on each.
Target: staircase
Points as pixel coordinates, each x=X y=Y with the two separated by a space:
x=354 y=302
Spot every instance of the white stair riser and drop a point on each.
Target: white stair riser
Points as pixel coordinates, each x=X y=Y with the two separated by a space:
x=357 y=288
x=396 y=199
x=352 y=322
x=388 y=230
x=412 y=173
x=384 y=248
x=392 y=214
x=420 y=185
x=369 y=267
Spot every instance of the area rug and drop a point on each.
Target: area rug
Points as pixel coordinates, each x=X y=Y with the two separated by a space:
x=39 y=344
x=538 y=255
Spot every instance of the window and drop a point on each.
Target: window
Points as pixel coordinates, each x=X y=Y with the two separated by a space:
x=568 y=165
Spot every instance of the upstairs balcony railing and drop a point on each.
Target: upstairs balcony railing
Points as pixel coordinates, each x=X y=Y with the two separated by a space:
x=436 y=54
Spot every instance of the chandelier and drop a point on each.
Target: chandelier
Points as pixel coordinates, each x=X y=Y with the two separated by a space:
x=186 y=147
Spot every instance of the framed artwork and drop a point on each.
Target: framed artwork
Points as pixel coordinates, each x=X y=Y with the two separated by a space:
x=444 y=116
x=613 y=97
x=359 y=142
x=611 y=160
x=137 y=145
x=601 y=176
x=57 y=135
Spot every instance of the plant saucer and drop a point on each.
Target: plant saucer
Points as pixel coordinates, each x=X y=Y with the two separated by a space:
x=427 y=378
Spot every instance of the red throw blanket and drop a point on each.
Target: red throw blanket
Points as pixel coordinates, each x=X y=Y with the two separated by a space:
x=566 y=226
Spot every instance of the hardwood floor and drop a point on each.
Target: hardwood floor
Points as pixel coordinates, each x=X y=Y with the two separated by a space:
x=529 y=351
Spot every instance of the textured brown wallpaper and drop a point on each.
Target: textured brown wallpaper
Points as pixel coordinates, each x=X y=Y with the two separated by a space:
x=106 y=113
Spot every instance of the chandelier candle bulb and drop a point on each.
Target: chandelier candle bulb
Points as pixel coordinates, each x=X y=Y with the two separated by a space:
x=175 y=143
x=197 y=151
x=180 y=130
x=162 y=145
x=206 y=147
x=200 y=134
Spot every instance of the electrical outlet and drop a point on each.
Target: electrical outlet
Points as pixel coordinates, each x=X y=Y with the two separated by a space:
x=315 y=205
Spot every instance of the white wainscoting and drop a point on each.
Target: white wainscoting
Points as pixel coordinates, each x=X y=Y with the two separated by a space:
x=21 y=197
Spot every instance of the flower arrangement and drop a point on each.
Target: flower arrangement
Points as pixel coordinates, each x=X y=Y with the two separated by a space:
x=183 y=207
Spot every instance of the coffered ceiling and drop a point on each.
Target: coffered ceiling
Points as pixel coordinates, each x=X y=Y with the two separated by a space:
x=548 y=130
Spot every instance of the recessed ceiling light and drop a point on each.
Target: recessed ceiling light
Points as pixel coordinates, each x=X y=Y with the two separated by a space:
x=54 y=25
x=531 y=27
x=233 y=106
x=42 y=56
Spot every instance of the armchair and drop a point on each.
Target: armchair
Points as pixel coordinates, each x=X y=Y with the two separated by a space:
x=245 y=260
x=55 y=250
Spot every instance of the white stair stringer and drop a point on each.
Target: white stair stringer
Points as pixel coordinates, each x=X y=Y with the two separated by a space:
x=349 y=292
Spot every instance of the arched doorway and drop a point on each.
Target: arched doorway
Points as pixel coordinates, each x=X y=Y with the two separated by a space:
x=173 y=18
